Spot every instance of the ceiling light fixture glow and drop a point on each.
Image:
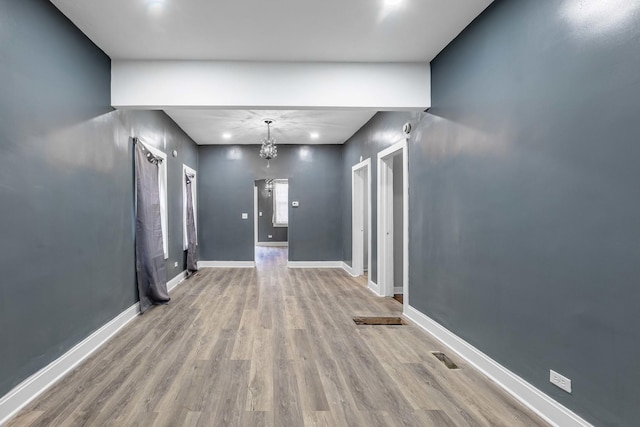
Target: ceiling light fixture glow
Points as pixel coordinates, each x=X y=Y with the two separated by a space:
x=226 y=135
x=392 y=2
x=314 y=135
x=155 y=6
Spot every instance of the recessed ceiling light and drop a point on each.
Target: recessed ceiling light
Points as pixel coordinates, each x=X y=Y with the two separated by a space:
x=314 y=135
x=226 y=135
x=155 y=6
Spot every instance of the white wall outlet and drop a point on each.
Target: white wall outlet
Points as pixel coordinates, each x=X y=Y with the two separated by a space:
x=245 y=215
x=259 y=213
x=560 y=381
x=295 y=204
x=270 y=236
x=175 y=264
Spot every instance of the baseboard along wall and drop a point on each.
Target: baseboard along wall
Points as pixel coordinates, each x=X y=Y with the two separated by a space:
x=543 y=405
x=46 y=377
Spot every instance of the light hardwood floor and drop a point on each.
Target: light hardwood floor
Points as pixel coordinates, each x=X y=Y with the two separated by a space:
x=272 y=346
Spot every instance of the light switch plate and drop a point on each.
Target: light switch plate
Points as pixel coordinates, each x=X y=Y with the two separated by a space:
x=245 y=215
x=295 y=204
x=259 y=213
x=270 y=236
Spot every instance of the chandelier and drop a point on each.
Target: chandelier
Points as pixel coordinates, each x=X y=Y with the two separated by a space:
x=268 y=150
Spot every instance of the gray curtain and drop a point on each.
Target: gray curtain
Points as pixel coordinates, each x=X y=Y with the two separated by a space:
x=192 y=257
x=150 y=266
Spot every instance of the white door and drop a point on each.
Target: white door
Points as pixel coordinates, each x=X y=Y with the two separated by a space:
x=361 y=217
x=385 y=275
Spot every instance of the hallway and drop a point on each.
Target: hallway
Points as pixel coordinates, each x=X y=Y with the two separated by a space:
x=272 y=346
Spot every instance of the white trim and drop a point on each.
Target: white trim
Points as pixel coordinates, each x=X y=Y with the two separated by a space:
x=226 y=264
x=194 y=195
x=273 y=244
x=543 y=405
x=384 y=174
x=255 y=216
x=398 y=290
x=358 y=269
x=314 y=264
x=240 y=85
x=346 y=267
x=37 y=383
x=373 y=287
x=173 y=283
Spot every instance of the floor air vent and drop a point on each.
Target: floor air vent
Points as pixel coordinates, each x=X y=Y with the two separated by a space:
x=444 y=359
x=379 y=321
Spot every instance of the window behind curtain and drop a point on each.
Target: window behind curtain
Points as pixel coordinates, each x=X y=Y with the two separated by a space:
x=162 y=184
x=280 y=203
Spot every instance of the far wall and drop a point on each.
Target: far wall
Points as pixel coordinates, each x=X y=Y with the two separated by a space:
x=226 y=175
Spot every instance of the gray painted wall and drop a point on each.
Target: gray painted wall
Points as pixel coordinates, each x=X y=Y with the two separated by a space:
x=226 y=179
x=524 y=203
x=265 y=222
x=525 y=229
x=66 y=189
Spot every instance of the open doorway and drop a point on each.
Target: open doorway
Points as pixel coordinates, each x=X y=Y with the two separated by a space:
x=393 y=229
x=361 y=218
x=271 y=203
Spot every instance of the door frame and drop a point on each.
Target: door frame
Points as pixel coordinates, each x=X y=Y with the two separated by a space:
x=255 y=218
x=357 y=268
x=385 y=220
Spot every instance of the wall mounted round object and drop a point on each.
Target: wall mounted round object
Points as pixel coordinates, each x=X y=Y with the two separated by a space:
x=406 y=129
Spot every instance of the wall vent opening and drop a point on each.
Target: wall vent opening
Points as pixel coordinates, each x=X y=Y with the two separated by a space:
x=445 y=359
x=379 y=321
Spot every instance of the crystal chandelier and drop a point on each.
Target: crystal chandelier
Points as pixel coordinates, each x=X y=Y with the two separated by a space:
x=268 y=150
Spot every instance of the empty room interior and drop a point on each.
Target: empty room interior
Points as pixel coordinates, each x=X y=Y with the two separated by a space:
x=319 y=213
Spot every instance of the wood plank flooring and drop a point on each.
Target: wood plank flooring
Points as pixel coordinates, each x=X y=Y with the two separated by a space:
x=272 y=346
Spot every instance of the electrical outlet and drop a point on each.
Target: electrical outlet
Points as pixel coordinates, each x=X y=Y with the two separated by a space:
x=245 y=215
x=175 y=264
x=260 y=214
x=560 y=381
x=270 y=236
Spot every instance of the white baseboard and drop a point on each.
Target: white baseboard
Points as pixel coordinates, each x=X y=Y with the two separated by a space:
x=398 y=290
x=37 y=383
x=346 y=267
x=373 y=287
x=543 y=405
x=173 y=283
x=273 y=244
x=226 y=264
x=314 y=264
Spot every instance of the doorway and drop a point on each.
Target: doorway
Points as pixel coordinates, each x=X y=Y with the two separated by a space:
x=393 y=222
x=361 y=218
x=271 y=214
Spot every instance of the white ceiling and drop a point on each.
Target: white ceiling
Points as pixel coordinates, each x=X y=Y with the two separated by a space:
x=289 y=127
x=272 y=30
